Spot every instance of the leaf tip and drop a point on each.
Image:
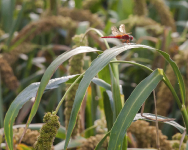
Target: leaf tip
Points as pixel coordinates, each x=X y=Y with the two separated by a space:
x=160 y=71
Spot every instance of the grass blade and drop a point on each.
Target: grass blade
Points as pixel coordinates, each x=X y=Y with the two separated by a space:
x=61 y=133
x=108 y=111
x=102 y=141
x=172 y=123
x=50 y=71
x=78 y=4
x=134 y=63
x=29 y=93
x=1 y=105
x=58 y=94
x=7 y=8
x=177 y=73
x=131 y=107
x=98 y=64
x=116 y=94
x=20 y=100
x=89 y=116
x=16 y=24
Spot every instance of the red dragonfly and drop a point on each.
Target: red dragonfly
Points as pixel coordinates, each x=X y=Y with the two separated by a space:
x=120 y=34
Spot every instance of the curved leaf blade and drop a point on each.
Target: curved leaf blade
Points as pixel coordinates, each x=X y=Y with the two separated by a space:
x=177 y=73
x=61 y=133
x=131 y=107
x=28 y=93
x=50 y=71
x=172 y=123
x=98 y=64
x=102 y=141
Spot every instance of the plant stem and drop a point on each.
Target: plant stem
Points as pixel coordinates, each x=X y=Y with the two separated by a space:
x=125 y=143
x=133 y=63
x=185 y=117
x=167 y=82
x=181 y=107
x=58 y=106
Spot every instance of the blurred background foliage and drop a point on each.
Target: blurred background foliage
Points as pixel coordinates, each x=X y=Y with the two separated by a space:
x=34 y=32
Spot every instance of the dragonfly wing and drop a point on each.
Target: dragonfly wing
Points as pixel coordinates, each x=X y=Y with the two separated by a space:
x=122 y=28
x=129 y=33
x=115 y=31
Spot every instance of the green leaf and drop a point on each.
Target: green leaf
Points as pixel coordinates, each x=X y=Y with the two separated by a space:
x=57 y=95
x=131 y=107
x=124 y=8
x=140 y=149
x=1 y=105
x=177 y=73
x=136 y=64
x=15 y=25
x=116 y=94
x=178 y=4
x=74 y=143
x=172 y=123
x=7 y=9
x=28 y=93
x=138 y=117
x=21 y=40
x=171 y=88
x=82 y=27
x=108 y=111
x=98 y=64
x=61 y=133
x=187 y=145
x=107 y=98
x=78 y=4
x=89 y=116
x=104 y=74
x=102 y=83
x=102 y=141
x=99 y=33
x=50 y=71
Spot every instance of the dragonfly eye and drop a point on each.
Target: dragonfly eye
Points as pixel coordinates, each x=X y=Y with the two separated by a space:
x=130 y=38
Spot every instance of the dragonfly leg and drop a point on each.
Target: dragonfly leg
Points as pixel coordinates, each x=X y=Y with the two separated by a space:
x=123 y=41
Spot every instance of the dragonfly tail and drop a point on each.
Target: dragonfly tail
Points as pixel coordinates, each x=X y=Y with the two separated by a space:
x=109 y=37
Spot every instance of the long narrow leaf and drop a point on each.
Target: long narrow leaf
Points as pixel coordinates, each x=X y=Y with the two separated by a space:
x=98 y=64
x=78 y=4
x=177 y=73
x=61 y=133
x=108 y=110
x=116 y=94
x=172 y=123
x=1 y=105
x=15 y=26
x=7 y=8
x=30 y=92
x=74 y=143
x=109 y=113
x=20 y=100
x=131 y=107
x=102 y=141
x=50 y=71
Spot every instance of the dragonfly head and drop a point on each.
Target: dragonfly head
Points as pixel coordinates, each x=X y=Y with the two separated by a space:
x=130 y=37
